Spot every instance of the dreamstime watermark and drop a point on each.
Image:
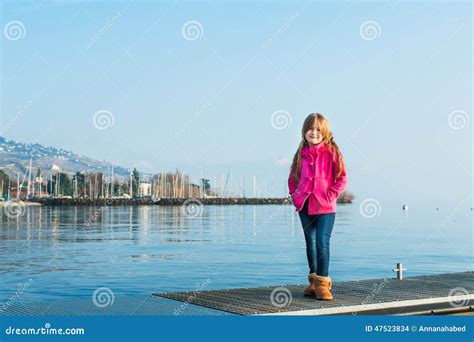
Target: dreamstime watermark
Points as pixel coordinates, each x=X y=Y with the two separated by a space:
x=46 y=330
x=458 y=297
x=14 y=209
x=103 y=297
x=274 y=213
x=466 y=22
x=382 y=108
x=195 y=116
x=103 y=119
x=281 y=119
x=458 y=119
x=370 y=30
x=19 y=113
x=14 y=30
x=374 y=292
x=282 y=29
x=192 y=30
x=192 y=297
x=21 y=288
x=281 y=297
x=106 y=27
x=92 y=219
x=370 y=207
x=456 y=210
x=192 y=207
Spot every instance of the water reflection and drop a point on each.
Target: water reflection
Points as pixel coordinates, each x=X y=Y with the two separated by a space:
x=70 y=251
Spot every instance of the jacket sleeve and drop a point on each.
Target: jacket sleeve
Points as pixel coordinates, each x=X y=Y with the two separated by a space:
x=291 y=184
x=339 y=184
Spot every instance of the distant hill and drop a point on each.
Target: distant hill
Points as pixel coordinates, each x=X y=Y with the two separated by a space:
x=15 y=156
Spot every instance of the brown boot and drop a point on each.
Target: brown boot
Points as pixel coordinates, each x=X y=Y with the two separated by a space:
x=309 y=291
x=322 y=285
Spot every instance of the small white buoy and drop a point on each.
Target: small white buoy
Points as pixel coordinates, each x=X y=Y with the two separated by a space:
x=405 y=207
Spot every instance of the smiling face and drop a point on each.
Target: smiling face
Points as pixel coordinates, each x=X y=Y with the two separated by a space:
x=313 y=135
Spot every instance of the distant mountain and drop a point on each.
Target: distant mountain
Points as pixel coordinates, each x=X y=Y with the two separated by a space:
x=15 y=156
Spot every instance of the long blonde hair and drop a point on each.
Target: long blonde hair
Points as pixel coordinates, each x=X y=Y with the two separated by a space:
x=328 y=139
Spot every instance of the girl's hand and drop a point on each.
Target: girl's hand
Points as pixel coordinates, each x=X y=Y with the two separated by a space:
x=339 y=184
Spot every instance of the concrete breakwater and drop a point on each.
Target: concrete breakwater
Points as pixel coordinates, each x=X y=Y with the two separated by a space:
x=162 y=201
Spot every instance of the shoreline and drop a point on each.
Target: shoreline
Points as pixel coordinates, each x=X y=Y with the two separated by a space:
x=162 y=201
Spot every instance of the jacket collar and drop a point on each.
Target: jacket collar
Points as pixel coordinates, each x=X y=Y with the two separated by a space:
x=315 y=149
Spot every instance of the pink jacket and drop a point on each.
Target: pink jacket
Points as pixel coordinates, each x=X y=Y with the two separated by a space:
x=318 y=169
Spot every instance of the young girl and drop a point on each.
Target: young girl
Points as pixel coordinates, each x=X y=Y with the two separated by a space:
x=317 y=177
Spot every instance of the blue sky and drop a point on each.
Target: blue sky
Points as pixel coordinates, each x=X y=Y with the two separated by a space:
x=394 y=78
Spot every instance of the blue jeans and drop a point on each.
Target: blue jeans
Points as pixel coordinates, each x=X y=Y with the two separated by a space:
x=317 y=232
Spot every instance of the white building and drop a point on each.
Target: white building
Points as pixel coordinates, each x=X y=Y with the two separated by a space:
x=144 y=189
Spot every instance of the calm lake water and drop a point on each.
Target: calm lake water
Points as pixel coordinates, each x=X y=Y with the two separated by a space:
x=71 y=251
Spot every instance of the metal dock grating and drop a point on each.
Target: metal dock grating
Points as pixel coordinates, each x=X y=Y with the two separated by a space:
x=136 y=305
x=389 y=296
